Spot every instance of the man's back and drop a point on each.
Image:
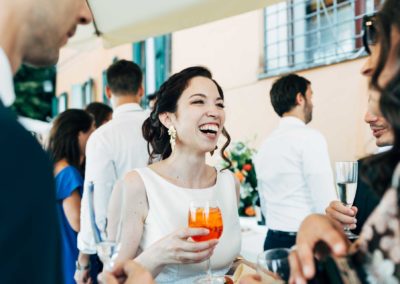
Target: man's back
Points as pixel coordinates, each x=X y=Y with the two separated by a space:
x=29 y=240
x=114 y=149
x=122 y=141
x=290 y=163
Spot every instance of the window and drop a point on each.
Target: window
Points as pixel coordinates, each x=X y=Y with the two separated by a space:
x=105 y=98
x=88 y=91
x=81 y=94
x=59 y=104
x=154 y=57
x=301 y=34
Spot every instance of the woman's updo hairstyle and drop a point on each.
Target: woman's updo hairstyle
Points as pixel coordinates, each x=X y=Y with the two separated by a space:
x=155 y=133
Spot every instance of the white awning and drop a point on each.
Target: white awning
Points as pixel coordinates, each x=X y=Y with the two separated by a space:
x=125 y=21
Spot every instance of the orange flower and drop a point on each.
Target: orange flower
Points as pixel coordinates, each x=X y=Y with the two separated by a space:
x=249 y=211
x=239 y=175
x=247 y=167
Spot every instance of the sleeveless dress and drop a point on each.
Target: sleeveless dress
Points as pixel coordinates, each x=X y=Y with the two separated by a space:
x=168 y=211
x=380 y=238
x=67 y=181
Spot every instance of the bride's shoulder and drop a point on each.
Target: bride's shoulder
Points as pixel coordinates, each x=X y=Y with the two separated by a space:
x=132 y=182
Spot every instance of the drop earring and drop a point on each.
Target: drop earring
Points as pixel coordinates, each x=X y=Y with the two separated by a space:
x=172 y=137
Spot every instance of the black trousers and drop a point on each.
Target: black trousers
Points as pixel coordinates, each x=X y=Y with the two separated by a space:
x=96 y=267
x=277 y=239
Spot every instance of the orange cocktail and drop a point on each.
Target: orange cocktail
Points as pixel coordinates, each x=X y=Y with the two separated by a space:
x=209 y=218
x=206 y=214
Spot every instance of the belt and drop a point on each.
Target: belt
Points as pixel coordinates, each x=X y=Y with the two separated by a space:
x=282 y=233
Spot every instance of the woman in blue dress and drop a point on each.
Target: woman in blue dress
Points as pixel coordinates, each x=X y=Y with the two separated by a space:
x=68 y=138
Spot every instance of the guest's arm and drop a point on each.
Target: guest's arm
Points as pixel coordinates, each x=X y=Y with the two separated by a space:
x=72 y=210
x=101 y=171
x=129 y=272
x=314 y=229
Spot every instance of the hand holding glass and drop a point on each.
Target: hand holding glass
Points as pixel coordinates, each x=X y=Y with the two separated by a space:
x=206 y=214
x=346 y=180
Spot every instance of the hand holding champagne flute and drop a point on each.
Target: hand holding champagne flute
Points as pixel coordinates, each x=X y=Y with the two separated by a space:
x=346 y=180
x=206 y=214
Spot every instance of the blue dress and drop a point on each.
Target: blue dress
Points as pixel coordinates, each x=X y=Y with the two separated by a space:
x=67 y=181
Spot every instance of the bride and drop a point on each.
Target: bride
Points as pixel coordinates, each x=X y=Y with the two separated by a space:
x=187 y=120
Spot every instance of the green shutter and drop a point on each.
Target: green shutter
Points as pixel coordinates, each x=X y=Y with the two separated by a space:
x=105 y=99
x=162 y=58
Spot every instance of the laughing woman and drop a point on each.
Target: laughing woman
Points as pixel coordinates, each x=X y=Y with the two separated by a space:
x=185 y=125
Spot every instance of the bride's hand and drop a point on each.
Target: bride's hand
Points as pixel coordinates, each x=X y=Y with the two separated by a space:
x=177 y=248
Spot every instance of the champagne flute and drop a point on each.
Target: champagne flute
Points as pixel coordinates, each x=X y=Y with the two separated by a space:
x=107 y=235
x=206 y=214
x=273 y=265
x=346 y=180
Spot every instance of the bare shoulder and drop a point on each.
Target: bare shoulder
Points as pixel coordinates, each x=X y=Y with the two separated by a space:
x=133 y=184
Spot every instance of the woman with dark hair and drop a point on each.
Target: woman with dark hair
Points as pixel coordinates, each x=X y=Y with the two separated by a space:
x=102 y=113
x=185 y=125
x=379 y=241
x=67 y=142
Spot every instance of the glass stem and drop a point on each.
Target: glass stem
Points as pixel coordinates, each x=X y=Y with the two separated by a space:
x=209 y=273
x=108 y=265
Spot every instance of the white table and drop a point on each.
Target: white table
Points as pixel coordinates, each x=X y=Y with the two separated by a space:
x=253 y=237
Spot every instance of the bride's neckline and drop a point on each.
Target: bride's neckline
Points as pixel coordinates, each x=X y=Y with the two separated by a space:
x=169 y=181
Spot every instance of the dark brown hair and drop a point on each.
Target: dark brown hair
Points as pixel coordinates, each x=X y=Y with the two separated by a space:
x=63 y=141
x=378 y=170
x=99 y=111
x=155 y=133
x=124 y=77
x=284 y=91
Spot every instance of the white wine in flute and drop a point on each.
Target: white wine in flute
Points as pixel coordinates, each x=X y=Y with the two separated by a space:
x=347 y=192
x=346 y=180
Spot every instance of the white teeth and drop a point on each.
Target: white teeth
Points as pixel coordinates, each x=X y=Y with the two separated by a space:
x=211 y=127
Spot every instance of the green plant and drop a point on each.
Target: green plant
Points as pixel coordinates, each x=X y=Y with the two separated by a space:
x=243 y=168
x=32 y=98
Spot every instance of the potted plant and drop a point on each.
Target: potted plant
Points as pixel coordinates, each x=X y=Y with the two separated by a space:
x=243 y=168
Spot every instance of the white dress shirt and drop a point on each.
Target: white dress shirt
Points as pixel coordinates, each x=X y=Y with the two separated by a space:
x=294 y=175
x=112 y=150
x=7 y=94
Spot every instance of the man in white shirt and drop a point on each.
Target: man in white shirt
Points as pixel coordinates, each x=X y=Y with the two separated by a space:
x=293 y=168
x=112 y=150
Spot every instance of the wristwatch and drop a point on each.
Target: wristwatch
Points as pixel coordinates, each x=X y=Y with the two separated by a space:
x=80 y=267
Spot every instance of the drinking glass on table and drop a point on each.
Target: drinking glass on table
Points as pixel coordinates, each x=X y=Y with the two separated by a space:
x=346 y=181
x=273 y=265
x=106 y=232
x=206 y=214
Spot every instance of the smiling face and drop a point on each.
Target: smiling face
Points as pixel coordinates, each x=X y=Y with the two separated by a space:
x=379 y=126
x=49 y=25
x=200 y=116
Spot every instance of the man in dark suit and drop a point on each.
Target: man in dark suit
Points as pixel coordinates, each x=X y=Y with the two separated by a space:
x=31 y=31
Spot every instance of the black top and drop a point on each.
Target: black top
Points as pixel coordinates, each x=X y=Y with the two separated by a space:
x=366 y=200
x=29 y=232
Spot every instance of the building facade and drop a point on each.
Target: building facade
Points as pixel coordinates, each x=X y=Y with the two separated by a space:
x=318 y=39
